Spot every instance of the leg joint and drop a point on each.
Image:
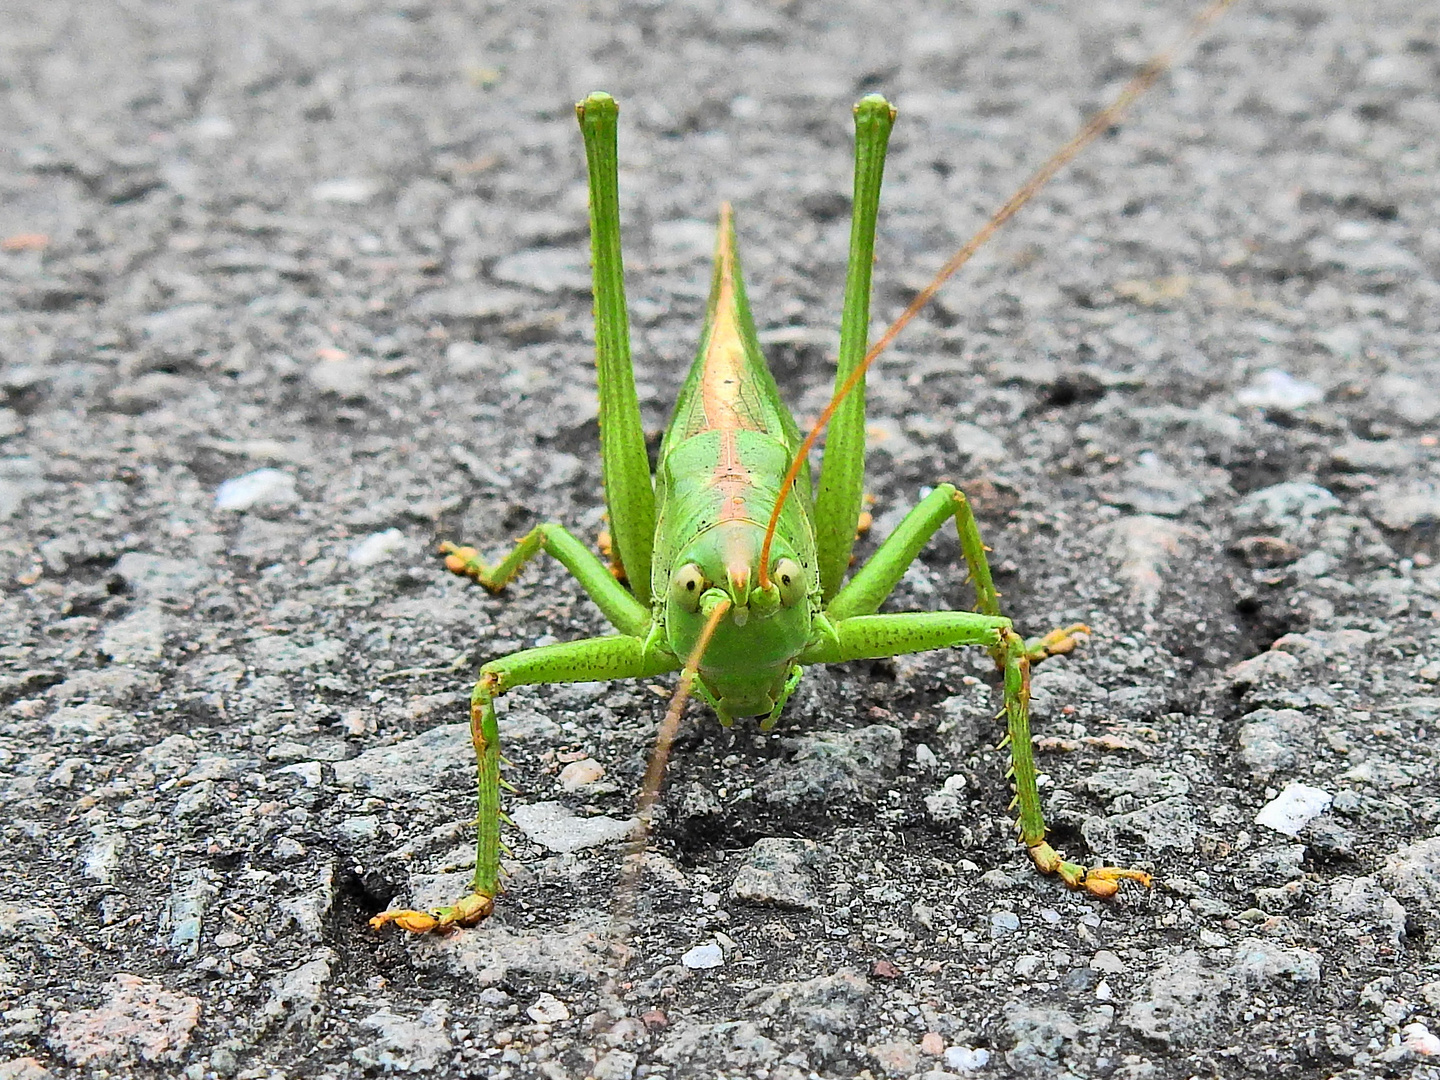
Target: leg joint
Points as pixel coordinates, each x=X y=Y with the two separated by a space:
x=491 y=684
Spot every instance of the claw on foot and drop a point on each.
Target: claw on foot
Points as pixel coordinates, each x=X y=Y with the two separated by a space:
x=1055 y=643
x=865 y=522
x=612 y=555
x=464 y=561
x=468 y=911
x=1101 y=881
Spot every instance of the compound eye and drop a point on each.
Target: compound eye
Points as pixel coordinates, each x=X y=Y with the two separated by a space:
x=686 y=585
x=791 y=580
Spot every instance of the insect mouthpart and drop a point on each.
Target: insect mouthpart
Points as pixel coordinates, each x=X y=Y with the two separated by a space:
x=737 y=576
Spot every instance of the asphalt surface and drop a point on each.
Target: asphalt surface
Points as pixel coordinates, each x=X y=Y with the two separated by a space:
x=291 y=291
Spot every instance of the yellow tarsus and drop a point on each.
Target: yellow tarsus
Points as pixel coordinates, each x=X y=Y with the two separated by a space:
x=468 y=911
x=1101 y=881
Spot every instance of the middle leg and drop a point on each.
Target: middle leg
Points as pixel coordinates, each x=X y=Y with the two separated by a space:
x=873 y=582
x=616 y=656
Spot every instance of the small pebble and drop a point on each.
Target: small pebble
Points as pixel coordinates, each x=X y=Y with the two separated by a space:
x=703 y=956
x=1272 y=740
x=977 y=444
x=1294 y=808
x=359 y=829
x=949 y=803
x=346 y=191
x=780 y=872
x=547 y=270
x=138 y=1018
x=1004 y=922
x=1409 y=400
x=1405 y=507
x=966 y=1058
x=1276 y=389
x=377 y=547
x=468 y=357
x=1152 y=487
x=288 y=849
x=1290 y=506
x=548 y=1009
x=560 y=829
x=1418 y=1039
x=341 y=375
x=263 y=487
x=582 y=773
x=392 y=1043
x=615 y=1065
x=1105 y=960
x=1364 y=456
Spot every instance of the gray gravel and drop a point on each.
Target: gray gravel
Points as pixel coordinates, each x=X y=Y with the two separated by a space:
x=293 y=290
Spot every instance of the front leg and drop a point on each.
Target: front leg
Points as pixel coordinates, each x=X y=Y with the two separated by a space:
x=867 y=590
x=625 y=613
x=591 y=659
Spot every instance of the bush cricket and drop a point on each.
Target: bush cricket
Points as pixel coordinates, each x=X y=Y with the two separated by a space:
x=729 y=564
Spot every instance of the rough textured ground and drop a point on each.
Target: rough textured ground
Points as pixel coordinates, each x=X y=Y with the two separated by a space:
x=1194 y=392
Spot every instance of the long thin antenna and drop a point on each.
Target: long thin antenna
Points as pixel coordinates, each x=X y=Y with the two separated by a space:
x=634 y=862
x=1104 y=119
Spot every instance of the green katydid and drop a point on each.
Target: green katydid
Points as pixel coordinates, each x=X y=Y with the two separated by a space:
x=735 y=563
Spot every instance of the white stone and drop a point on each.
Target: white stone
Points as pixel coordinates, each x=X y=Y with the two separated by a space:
x=557 y=827
x=548 y=1009
x=1106 y=961
x=395 y=1043
x=102 y=858
x=616 y=1065
x=703 y=956
x=1418 y=1039
x=377 y=547
x=1294 y=808
x=1276 y=389
x=348 y=191
x=310 y=773
x=967 y=1058
x=270 y=487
